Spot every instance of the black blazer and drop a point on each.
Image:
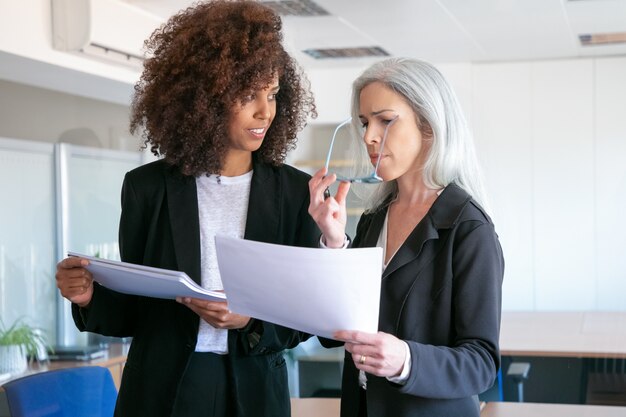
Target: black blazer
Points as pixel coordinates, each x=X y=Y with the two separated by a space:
x=441 y=293
x=159 y=227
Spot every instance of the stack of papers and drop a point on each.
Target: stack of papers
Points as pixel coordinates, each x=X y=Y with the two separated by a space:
x=317 y=291
x=135 y=279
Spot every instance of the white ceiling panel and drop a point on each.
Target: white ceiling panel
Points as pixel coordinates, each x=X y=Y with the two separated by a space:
x=597 y=17
x=447 y=30
x=514 y=30
x=325 y=32
x=416 y=28
x=604 y=16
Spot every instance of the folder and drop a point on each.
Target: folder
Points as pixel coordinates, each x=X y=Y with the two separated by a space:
x=147 y=281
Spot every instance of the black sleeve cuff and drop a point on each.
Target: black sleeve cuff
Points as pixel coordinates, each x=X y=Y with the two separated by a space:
x=248 y=327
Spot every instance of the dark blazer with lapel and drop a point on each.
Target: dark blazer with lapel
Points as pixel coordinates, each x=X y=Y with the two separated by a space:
x=159 y=227
x=441 y=293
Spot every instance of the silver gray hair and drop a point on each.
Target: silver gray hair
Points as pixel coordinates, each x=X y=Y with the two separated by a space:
x=451 y=158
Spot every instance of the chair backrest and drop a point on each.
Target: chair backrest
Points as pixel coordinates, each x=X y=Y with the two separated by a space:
x=73 y=392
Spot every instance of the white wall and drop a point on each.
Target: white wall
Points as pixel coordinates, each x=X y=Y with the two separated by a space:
x=501 y=123
x=609 y=165
x=38 y=114
x=27 y=56
x=551 y=137
x=557 y=183
x=562 y=149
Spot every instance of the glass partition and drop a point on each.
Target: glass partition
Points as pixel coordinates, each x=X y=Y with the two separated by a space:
x=88 y=186
x=27 y=234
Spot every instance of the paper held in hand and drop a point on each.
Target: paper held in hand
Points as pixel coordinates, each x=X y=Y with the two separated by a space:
x=136 y=279
x=318 y=291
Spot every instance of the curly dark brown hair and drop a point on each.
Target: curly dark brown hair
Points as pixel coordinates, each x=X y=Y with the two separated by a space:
x=203 y=61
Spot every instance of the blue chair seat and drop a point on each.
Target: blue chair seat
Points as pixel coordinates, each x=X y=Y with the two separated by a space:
x=73 y=392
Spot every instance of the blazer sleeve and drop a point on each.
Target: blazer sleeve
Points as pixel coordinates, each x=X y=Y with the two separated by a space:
x=470 y=364
x=111 y=313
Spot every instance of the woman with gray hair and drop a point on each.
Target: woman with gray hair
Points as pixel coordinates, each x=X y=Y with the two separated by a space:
x=437 y=344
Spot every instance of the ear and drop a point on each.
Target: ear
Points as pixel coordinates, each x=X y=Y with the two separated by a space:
x=427 y=131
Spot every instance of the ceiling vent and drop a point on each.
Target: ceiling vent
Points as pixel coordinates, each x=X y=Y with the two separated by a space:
x=602 y=38
x=304 y=8
x=106 y=29
x=334 y=53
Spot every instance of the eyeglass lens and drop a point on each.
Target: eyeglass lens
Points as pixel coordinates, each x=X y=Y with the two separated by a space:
x=369 y=179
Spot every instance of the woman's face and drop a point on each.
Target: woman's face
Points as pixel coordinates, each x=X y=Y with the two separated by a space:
x=404 y=149
x=251 y=117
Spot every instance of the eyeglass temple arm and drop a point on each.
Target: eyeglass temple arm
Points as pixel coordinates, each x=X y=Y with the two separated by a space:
x=332 y=142
x=382 y=145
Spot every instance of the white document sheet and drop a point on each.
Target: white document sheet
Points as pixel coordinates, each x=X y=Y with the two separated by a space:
x=136 y=279
x=318 y=291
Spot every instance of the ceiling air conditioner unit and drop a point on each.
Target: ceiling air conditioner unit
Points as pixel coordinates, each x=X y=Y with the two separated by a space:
x=107 y=29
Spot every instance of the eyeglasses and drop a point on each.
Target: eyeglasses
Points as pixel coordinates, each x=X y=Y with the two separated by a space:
x=373 y=178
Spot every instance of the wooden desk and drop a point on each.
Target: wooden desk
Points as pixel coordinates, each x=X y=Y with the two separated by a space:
x=315 y=407
x=564 y=334
x=114 y=360
x=575 y=351
x=505 y=409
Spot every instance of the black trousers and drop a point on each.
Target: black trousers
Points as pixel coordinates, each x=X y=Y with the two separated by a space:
x=204 y=388
x=362 y=403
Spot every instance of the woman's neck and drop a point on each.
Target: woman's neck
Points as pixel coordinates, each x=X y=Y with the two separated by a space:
x=236 y=163
x=413 y=192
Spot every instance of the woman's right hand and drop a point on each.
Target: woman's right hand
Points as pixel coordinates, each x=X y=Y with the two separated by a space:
x=74 y=281
x=329 y=212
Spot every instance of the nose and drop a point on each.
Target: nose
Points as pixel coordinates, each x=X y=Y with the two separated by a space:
x=371 y=136
x=263 y=110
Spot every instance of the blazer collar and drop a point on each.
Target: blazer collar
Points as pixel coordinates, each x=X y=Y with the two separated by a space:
x=447 y=209
x=443 y=214
x=264 y=208
x=182 y=199
x=182 y=204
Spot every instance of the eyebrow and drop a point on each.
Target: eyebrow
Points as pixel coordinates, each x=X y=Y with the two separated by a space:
x=376 y=113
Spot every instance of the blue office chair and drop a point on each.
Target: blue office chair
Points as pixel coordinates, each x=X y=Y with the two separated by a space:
x=73 y=392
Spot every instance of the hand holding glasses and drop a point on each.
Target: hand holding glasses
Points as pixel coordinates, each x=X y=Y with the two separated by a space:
x=373 y=178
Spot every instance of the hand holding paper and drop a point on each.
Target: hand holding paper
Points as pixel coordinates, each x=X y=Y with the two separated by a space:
x=217 y=314
x=318 y=291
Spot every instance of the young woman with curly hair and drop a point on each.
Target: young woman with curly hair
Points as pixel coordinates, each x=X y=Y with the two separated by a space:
x=221 y=101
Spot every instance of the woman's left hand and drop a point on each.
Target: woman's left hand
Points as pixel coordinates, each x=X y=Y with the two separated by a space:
x=380 y=354
x=216 y=313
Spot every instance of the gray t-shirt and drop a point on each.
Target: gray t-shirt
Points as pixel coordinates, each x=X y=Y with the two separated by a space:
x=223 y=209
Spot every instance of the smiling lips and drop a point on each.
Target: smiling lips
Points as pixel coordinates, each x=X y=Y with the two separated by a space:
x=258 y=133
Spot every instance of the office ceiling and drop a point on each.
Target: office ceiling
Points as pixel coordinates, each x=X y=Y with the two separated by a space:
x=448 y=30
